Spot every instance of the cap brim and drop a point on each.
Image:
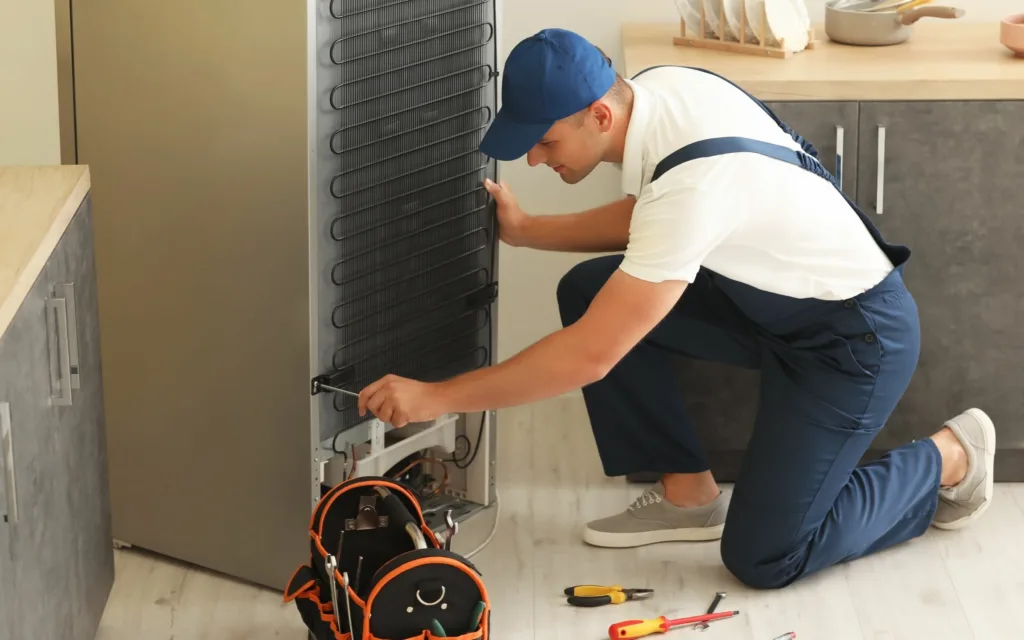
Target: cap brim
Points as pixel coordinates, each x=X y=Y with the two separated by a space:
x=507 y=139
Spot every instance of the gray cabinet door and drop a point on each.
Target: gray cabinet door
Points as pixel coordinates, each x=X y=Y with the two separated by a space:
x=950 y=185
x=37 y=605
x=723 y=399
x=83 y=434
x=7 y=586
x=55 y=454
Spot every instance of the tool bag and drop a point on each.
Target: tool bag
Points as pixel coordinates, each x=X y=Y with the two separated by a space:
x=402 y=585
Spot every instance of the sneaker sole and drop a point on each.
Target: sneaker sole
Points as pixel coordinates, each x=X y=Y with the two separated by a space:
x=627 y=540
x=989 y=438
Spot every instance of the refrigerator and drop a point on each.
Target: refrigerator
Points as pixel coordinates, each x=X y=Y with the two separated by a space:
x=287 y=199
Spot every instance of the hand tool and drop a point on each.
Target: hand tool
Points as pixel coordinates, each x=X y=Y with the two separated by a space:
x=348 y=603
x=478 y=615
x=643 y=628
x=451 y=531
x=342 y=391
x=332 y=566
x=703 y=626
x=598 y=596
x=359 y=570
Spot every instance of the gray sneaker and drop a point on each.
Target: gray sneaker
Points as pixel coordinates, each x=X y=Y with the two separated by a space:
x=963 y=503
x=652 y=519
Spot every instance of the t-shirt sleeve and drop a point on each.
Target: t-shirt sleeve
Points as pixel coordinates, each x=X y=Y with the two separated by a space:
x=677 y=221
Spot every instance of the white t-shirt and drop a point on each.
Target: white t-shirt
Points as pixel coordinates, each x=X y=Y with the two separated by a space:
x=751 y=218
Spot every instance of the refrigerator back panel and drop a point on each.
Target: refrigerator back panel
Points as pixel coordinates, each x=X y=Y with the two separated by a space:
x=407 y=248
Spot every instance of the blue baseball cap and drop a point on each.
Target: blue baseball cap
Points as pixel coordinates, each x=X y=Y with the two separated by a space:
x=548 y=76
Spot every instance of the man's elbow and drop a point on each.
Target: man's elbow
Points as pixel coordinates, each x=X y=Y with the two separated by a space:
x=597 y=365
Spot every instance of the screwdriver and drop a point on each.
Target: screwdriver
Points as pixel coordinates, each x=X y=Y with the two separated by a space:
x=337 y=390
x=643 y=628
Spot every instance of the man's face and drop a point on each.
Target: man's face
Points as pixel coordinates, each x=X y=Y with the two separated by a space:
x=573 y=147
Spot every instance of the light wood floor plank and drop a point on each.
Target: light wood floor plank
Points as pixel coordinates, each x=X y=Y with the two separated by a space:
x=985 y=563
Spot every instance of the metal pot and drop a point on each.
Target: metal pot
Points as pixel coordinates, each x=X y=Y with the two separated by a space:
x=879 y=27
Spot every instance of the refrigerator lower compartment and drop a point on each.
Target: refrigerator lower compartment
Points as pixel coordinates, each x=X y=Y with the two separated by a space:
x=450 y=461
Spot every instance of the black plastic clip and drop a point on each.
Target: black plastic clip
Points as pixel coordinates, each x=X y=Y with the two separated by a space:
x=483 y=296
x=337 y=379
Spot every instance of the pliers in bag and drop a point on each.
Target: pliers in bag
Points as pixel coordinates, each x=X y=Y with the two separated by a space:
x=598 y=596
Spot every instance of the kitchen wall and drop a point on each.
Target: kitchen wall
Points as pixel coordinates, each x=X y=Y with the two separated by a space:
x=29 y=119
x=527 y=312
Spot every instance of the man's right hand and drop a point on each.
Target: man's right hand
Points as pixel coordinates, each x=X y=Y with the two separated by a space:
x=511 y=218
x=602 y=229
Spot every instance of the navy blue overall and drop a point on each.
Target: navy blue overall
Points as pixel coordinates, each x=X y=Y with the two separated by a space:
x=831 y=374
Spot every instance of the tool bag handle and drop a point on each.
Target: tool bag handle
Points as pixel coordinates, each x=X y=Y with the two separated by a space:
x=400 y=515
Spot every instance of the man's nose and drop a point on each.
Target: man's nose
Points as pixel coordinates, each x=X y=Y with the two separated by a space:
x=534 y=157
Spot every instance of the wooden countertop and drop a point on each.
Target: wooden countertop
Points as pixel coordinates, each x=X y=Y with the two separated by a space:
x=942 y=60
x=36 y=207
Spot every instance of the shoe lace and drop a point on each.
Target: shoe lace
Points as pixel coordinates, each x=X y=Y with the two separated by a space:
x=646 y=499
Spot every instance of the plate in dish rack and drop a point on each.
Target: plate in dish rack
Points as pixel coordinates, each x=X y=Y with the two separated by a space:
x=713 y=16
x=801 y=6
x=755 y=18
x=733 y=14
x=689 y=11
x=788 y=23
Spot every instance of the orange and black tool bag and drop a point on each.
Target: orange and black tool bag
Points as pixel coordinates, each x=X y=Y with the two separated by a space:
x=402 y=585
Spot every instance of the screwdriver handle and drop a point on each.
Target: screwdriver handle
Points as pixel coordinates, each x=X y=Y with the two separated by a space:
x=637 y=628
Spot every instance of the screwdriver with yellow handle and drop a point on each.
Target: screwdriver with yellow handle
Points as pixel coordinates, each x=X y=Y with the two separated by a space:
x=643 y=628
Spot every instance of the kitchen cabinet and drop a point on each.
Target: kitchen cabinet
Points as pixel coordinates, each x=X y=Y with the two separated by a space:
x=57 y=549
x=932 y=152
x=949 y=187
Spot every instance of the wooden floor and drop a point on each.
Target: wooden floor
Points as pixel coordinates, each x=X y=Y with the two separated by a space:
x=956 y=585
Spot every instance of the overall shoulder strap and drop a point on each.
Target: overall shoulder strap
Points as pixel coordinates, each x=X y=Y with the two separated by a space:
x=720 y=146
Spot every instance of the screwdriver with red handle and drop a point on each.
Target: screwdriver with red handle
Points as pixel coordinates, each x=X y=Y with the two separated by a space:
x=643 y=628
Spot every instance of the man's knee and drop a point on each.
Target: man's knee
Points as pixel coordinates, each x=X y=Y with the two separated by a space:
x=745 y=555
x=580 y=285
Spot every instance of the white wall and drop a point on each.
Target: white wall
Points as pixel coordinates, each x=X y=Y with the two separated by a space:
x=528 y=312
x=29 y=118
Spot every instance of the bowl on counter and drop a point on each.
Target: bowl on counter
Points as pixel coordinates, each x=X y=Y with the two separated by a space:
x=1011 y=33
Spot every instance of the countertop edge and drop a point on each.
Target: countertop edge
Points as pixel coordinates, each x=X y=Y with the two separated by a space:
x=643 y=42
x=34 y=266
x=885 y=91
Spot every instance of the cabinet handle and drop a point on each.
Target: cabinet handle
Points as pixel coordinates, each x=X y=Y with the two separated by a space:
x=60 y=363
x=840 y=137
x=68 y=289
x=10 y=483
x=881 y=171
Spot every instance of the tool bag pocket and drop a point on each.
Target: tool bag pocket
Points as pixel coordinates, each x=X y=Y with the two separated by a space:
x=431 y=590
x=374 y=529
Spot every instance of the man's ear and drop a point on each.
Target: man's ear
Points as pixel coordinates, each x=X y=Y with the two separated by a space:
x=603 y=115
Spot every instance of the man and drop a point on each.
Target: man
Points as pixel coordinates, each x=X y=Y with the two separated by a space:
x=738 y=248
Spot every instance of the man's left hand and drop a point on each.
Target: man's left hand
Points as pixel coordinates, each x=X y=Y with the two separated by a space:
x=399 y=401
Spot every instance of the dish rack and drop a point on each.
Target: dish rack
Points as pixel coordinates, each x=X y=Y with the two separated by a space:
x=705 y=39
